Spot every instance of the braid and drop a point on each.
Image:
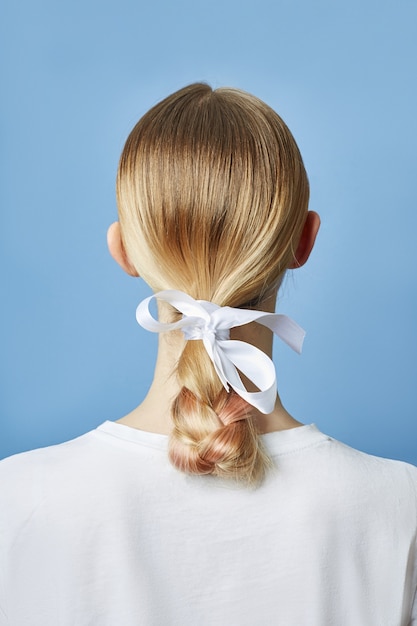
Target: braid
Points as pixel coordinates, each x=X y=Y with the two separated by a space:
x=214 y=431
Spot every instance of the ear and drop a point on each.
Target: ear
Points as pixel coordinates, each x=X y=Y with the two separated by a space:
x=307 y=239
x=117 y=249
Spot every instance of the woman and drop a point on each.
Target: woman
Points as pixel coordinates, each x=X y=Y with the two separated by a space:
x=209 y=504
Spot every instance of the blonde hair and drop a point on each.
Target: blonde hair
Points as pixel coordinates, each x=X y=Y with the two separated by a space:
x=212 y=196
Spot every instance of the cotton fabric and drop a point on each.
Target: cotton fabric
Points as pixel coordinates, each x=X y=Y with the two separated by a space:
x=102 y=530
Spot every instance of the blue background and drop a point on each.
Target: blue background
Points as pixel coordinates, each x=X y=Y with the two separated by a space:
x=76 y=76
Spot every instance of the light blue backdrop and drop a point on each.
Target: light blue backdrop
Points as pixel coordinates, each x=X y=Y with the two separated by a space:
x=76 y=75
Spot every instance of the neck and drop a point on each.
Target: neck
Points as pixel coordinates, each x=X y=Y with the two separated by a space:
x=154 y=413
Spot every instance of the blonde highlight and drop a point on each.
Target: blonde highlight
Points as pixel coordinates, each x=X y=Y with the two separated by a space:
x=212 y=197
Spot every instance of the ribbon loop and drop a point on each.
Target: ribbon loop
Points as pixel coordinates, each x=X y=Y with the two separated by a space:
x=211 y=323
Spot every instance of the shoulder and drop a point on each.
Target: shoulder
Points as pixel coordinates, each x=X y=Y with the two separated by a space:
x=42 y=459
x=324 y=460
x=333 y=476
x=372 y=483
x=28 y=478
x=377 y=468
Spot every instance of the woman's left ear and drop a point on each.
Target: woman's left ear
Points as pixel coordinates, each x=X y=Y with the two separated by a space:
x=117 y=249
x=307 y=239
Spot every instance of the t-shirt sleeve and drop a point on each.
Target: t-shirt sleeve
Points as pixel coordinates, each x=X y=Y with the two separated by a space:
x=413 y=621
x=413 y=610
x=3 y=551
x=3 y=618
x=11 y=495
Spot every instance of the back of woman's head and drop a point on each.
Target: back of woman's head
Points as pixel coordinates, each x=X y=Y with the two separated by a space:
x=212 y=196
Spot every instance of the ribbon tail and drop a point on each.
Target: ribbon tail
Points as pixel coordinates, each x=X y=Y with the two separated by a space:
x=217 y=362
x=286 y=329
x=264 y=401
x=256 y=366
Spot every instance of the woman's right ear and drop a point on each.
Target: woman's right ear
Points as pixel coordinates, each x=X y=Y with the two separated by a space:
x=117 y=249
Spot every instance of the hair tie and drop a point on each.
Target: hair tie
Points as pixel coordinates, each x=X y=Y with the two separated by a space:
x=212 y=323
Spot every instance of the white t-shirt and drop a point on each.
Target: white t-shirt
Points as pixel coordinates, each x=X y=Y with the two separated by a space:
x=103 y=531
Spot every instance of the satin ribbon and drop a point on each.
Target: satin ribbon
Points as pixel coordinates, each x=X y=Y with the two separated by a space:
x=212 y=323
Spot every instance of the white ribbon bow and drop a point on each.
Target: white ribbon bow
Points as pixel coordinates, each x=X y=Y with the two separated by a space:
x=212 y=323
